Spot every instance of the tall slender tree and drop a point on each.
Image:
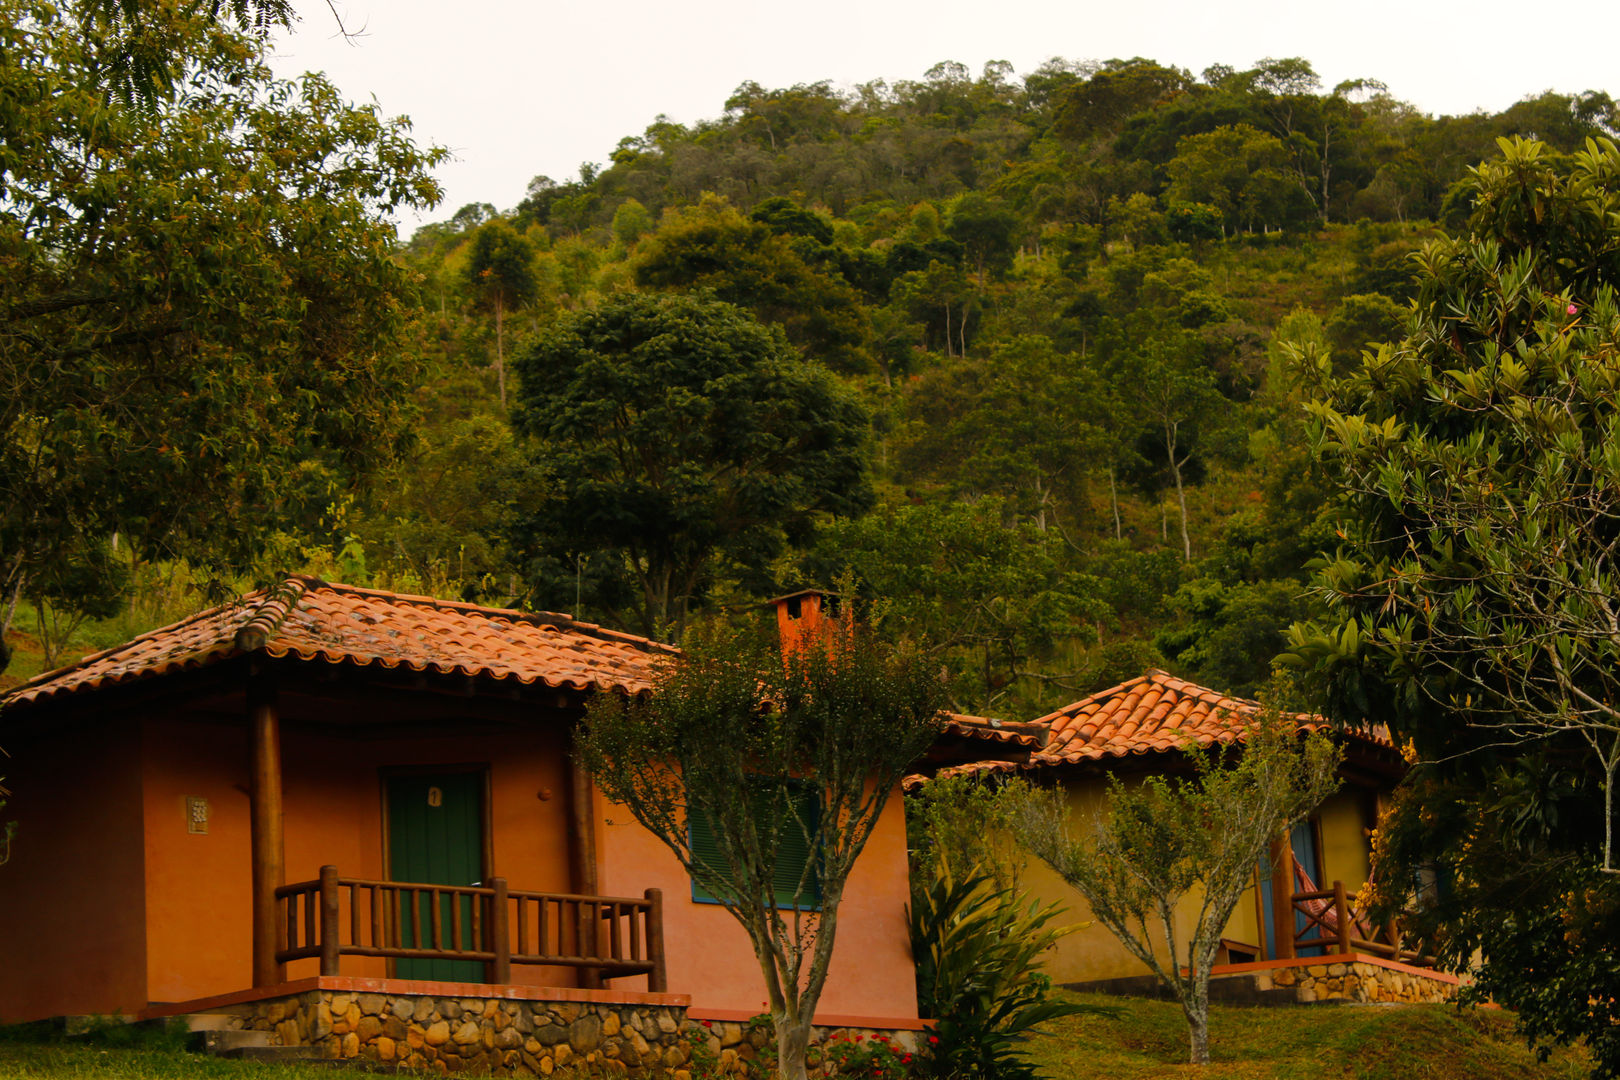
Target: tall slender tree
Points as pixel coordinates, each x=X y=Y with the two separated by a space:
x=500 y=269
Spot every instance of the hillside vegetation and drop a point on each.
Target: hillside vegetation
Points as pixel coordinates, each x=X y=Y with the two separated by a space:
x=1061 y=305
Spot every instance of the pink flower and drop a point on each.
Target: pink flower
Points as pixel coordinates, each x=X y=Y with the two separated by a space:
x=934 y=1039
x=1571 y=309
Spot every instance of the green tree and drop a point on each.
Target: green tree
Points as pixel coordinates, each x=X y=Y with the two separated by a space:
x=778 y=754
x=1164 y=382
x=200 y=308
x=1241 y=171
x=990 y=594
x=714 y=247
x=500 y=270
x=1473 y=597
x=678 y=440
x=985 y=228
x=1017 y=424
x=1164 y=841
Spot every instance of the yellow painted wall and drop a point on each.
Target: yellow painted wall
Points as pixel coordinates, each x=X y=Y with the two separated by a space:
x=1094 y=953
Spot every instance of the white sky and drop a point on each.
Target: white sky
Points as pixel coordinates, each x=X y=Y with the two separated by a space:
x=517 y=90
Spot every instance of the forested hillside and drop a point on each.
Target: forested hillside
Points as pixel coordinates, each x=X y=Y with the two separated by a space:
x=1046 y=324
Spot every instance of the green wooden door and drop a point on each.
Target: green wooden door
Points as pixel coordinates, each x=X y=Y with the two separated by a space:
x=436 y=836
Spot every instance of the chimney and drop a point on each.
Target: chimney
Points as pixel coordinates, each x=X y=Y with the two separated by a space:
x=803 y=615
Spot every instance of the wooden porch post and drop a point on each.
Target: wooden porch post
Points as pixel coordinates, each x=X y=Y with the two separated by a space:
x=583 y=874
x=329 y=920
x=1282 y=898
x=500 y=970
x=657 y=979
x=1341 y=910
x=268 y=853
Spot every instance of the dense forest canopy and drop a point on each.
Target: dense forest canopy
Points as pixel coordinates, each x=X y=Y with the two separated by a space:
x=1053 y=306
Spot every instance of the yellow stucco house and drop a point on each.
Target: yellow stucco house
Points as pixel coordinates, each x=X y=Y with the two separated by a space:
x=1297 y=934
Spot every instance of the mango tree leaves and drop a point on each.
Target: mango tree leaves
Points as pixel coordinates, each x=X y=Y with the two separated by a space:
x=199 y=304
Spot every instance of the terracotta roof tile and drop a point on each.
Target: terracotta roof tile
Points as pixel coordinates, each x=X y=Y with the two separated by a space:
x=1152 y=713
x=314 y=620
x=1005 y=731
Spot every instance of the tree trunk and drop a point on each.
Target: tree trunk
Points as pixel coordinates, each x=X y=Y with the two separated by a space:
x=1195 y=1006
x=947 y=329
x=792 y=1047
x=500 y=356
x=1113 y=500
x=1170 y=444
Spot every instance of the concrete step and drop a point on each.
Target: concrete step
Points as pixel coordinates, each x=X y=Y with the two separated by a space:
x=208 y=1021
x=219 y=1040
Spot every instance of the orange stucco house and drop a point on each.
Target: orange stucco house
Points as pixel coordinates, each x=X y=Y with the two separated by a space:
x=325 y=797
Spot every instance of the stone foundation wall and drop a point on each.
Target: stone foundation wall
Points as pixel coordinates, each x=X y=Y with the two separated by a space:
x=504 y=1037
x=1356 y=981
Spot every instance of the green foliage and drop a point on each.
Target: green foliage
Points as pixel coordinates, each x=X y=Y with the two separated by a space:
x=978 y=950
x=715 y=248
x=878 y=1057
x=1242 y=173
x=988 y=593
x=1471 y=597
x=677 y=442
x=1228 y=635
x=739 y=732
x=1161 y=839
x=200 y=315
x=958 y=822
x=500 y=267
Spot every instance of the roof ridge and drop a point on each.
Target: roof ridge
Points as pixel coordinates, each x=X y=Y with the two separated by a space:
x=536 y=618
x=279 y=602
x=1074 y=706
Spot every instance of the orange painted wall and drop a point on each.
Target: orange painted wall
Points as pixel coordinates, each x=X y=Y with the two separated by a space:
x=332 y=793
x=71 y=901
x=709 y=956
x=119 y=905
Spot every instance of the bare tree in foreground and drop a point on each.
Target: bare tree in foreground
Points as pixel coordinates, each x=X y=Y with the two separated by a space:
x=765 y=774
x=1163 y=840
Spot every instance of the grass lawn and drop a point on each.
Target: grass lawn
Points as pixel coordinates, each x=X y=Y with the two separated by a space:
x=73 y=1061
x=1327 y=1042
x=1147 y=1040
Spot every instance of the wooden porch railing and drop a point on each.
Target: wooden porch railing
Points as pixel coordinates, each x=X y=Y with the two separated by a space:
x=333 y=917
x=1332 y=921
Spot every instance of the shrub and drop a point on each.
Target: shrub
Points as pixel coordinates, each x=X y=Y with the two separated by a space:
x=978 y=950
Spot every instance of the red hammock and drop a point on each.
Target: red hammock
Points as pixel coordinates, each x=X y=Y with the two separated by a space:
x=1323 y=910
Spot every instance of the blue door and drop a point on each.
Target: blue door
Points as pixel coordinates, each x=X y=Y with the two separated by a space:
x=1302 y=838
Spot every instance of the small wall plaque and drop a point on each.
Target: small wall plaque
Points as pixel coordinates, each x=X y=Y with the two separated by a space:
x=196 y=814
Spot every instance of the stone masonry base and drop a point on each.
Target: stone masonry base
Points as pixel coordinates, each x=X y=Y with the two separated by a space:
x=512 y=1034
x=1356 y=978
x=1348 y=977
